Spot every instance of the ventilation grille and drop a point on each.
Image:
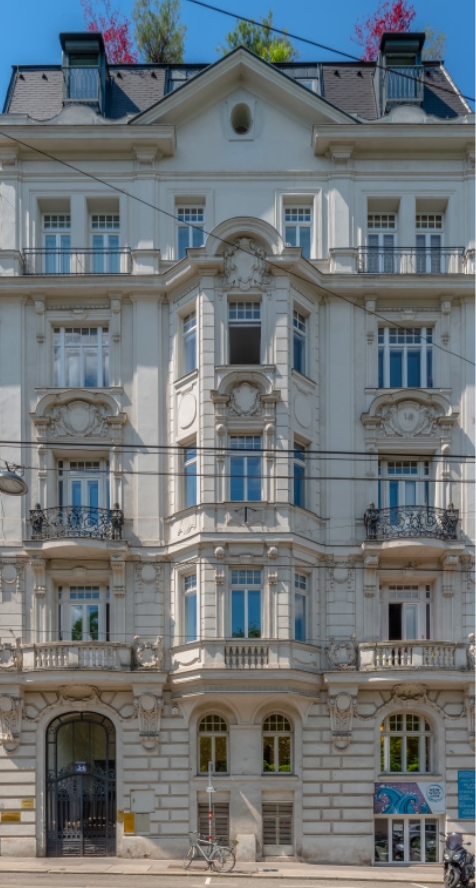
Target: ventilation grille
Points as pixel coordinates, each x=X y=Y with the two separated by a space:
x=278 y=823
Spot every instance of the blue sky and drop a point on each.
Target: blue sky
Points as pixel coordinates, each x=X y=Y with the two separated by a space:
x=30 y=29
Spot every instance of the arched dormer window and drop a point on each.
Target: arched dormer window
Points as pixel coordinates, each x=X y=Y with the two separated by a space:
x=213 y=744
x=405 y=744
x=277 y=745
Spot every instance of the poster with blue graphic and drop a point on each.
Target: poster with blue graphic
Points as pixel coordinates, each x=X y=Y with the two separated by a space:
x=466 y=789
x=424 y=797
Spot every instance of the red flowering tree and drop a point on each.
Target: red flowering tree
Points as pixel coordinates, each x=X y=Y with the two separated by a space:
x=115 y=30
x=390 y=15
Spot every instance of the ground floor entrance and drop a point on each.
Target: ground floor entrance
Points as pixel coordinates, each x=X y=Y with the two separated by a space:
x=406 y=840
x=81 y=786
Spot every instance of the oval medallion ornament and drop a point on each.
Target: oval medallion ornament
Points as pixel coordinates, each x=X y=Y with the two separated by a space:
x=302 y=410
x=187 y=410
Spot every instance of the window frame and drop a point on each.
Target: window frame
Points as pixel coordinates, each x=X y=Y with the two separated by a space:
x=246 y=581
x=213 y=734
x=276 y=734
x=300 y=338
x=414 y=597
x=60 y=354
x=189 y=341
x=300 y=225
x=251 y=318
x=69 y=473
x=299 y=475
x=429 y=255
x=64 y=598
x=425 y=750
x=57 y=254
x=106 y=257
x=301 y=591
x=394 y=485
x=382 y=240
x=247 y=454
x=405 y=341
x=195 y=227
x=189 y=583
x=189 y=457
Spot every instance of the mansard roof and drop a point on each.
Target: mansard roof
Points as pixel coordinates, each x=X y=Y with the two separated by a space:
x=349 y=87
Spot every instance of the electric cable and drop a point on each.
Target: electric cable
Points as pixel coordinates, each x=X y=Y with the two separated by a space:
x=271 y=264
x=324 y=46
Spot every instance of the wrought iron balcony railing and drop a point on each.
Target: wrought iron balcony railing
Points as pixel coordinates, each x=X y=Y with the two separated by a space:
x=411 y=521
x=404 y=84
x=76 y=521
x=77 y=261
x=81 y=84
x=411 y=260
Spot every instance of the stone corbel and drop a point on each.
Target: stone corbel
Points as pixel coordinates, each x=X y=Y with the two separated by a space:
x=340 y=154
x=116 y=319
x=39 y=570
x=8 y=157
x=40 y=319
x=342 y=707
x=10 y=721
x=118 y=567
x=149 y=710
x=370 y=576
x=450 y=565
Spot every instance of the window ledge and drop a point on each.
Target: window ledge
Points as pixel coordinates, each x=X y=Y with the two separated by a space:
x=186 y=378
x=303 y=378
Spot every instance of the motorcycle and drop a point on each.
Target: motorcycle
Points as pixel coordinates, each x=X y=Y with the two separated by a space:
x=458 y=863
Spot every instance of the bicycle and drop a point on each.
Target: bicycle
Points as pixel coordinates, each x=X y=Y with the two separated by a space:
x=218 y=856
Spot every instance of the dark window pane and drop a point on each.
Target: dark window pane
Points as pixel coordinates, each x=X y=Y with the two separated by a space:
x=254 y=478
x=298 y=353
x=380 y=368
x=381 y=841
x=238 y=613
x=254 y=613
x=245 y=345
x=220 y=755
x=205 y=744
x=396 y=754
x=429 y=369
x=305 y=239
x=394 y=621
x=284 y=752
x=413 y=369
x=395 y=369
x=268 y=753
x=237 y=480
x=413 y=758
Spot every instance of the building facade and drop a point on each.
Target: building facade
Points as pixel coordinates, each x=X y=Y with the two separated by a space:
x=236 y=346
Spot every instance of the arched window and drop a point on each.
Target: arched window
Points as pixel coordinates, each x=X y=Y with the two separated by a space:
x=213 y=744
x=405 y=744
x=276 y=745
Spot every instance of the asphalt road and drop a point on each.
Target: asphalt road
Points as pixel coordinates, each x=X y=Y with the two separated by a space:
x=192 y=880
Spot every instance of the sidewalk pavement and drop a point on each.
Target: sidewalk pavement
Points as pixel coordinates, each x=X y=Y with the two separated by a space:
x=276 y=869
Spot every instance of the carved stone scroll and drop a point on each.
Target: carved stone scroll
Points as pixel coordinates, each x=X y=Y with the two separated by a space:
x=341 y=710
x=149 y=709
x=10 y=722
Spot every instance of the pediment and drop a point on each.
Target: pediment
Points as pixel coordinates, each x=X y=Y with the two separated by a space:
x=78 y=415
x=242 y=69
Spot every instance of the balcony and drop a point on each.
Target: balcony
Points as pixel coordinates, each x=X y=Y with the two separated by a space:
x=411 y=522
x=412 y=260
x=396 y=655
x=247 y=654
x=77 y=262
x=69 y=522
x=403 y=85
x=82 y=84
x=100 y=655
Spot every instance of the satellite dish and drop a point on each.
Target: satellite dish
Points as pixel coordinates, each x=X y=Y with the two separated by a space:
x=12 y=484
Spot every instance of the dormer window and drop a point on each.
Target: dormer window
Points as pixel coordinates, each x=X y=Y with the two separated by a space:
x=84 y=69
x=400 y=69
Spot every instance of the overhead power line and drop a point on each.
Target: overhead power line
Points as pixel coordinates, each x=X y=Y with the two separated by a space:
x=324 y=46
x=228 y=243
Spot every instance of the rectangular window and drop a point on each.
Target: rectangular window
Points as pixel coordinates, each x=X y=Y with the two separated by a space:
x=381 y=243
x=105 y=243
x=299 y=464
x=299 y=342
x=245 y=468
x=83 y=613
x=244 y=330
x=190 y=607
x=191 y=221
x=246 y=603
x=83 y=484
x=57 y=243
x=429 y=240
x=405 y=357
x=403 y=487
x=409 y=612
x=278 y=823
x=297 y=228
x=81 y=357
x=190 y=475
x=300 y=607
x=189 y=332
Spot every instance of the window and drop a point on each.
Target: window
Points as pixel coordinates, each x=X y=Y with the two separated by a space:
x=405 y=357
x=297 y=228
x=278 y=824
x=57 y=242
x=189 y=332
x=246 y=604
x=405 y=745
x=299 y=342
x=220 y=822
x=81 y=356
x=83 y=613
x=299 y=477
x=83 y=484
x=83 y=76
x=406 y=839
x=276 y=745
x=406 y=613
x=244 y=330
x=428 y=243
x=213 y=744
x=300 y=607
x=403 y=485
x=245 y=468
x=191 y=221
x=105 y=243
x=190 y=607
x=190 y=475
x=381 y=229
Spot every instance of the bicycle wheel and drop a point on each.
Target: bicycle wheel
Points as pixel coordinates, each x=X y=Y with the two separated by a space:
x=189 y=857
x=223 y=860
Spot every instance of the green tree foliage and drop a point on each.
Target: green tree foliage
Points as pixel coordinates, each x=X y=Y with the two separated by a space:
x=158 y=33
x=258 y=38
x=435 y=45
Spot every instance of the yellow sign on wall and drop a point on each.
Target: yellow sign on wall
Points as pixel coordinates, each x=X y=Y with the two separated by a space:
x=11 y=817
x=129 y=822
x=28 y=804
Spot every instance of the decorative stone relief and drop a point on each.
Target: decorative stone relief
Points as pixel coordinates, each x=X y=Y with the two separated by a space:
x=341 y=710
x=187 y=410
x=245 y=265
x=340 y=572
x=342 y=655
x=10 y=721
x=469 y=706
x=118 y=568
x=38 y=567
x=79 y=698
x=471 y=653
x=146 y=575
x=428 y=415
x=148 y=654
x=245 y=515
x=79 y=418
x=91 y=416
x=245 y=400
x=149 y=708
x=370 y=575
x=10 y=655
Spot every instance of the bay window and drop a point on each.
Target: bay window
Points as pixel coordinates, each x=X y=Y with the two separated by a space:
x=190 y=607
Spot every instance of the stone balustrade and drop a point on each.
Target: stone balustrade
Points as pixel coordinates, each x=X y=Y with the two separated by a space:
x=269 y=653
x=412 y=655
x=104 y=655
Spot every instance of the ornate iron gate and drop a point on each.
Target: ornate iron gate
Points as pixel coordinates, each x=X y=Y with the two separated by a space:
x=81 y=794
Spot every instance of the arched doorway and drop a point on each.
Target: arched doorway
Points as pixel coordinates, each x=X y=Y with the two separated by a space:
x=81 y=785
